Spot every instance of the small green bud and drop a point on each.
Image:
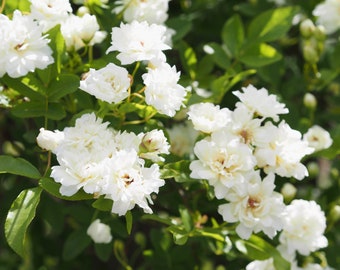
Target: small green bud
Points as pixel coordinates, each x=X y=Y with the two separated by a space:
x=82 y=11
x=335 y=213
x=310 y=54
x=288 y=191
x=307 y=28
x=320 y=33
x=313 y=169
x=310 y=101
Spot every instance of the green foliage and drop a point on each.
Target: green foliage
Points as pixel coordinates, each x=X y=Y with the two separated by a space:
x=18 y=166
x=19 y=218
x=217 y=48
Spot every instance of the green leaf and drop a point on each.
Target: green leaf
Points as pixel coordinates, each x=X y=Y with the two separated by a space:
x=334 y=57
x=22 y=88
x=49 y=185
x=103 y=204
x=182 y=26
x=260 y=55
x=258 y=249
x=271 y=25
x=64 y=85
x=233 y=34
x=54 y=111
x=188 y=58
x=75 y=244
x=11 y=6
x=178 y=170
x=220 y=56
x=18 y=166
x=103 y=251
x=180 y=235
x=223 y=84
x=129 y=221
x=186 y=218
x=20 y=217
x=157 y=218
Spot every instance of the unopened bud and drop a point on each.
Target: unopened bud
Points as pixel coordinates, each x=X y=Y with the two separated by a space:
x=310 y=54
x=310 y=101
x=307 y=28
x=320 y=33
x=313 y=169
x=288 y=191
x=82 y=11
x=335 y=213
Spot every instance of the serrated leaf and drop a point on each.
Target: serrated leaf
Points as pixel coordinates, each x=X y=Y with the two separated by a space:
x=49 y=185
x=271 y=25
x=53 y=111
x=75 y=244
x=20 y=217
x=18 y=166
x=178 y=170
x=260 y=55
x=233 y=34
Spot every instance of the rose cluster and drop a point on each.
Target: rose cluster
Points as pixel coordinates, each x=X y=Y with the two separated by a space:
x=240 y=155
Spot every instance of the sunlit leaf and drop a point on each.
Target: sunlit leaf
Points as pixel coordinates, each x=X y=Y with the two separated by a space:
x=233 y=34
x=20 y=217
x=271 y=25
x=260 y=55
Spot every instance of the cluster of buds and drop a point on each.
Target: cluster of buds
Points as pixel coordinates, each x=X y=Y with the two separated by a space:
x=313 y=38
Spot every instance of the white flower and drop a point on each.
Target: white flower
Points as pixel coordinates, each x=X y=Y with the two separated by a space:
x=318 y=138
x=304 y=226
x=23 y=47
x=261 y=265
x=138 y=41
x=130 y=183
x=162 y=89
x=182 y=139
x=328 y=15
x=49 y=140
x=99 y=232
x=109 y=84
x=80 y=154
x=49 y=13
x=102 y=161
x=283 y=151
x=260 y=102
x=152 y=11
x=245 y=126
x=255 y=205
x=154 y=143
x=81 y=31
x=223 y=161
x=207 y=117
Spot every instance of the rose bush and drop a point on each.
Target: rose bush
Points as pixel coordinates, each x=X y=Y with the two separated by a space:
x=169 y=134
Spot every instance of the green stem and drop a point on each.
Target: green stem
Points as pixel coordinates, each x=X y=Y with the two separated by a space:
x=3 y=3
